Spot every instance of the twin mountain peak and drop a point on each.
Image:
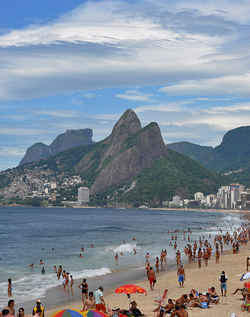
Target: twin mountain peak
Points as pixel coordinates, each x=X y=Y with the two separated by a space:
x=130 y=150
x=121 y=156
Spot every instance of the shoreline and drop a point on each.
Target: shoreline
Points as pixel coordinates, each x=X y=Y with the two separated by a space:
x=200 y=279
x=110 y=281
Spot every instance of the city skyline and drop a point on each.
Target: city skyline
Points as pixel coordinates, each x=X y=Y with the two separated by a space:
x=184 y=65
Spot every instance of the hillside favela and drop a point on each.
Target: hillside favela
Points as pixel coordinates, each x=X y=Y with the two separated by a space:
x=124 y=158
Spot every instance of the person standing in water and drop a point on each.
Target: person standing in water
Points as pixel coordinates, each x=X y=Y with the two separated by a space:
x=84 y=287
x=9 y=288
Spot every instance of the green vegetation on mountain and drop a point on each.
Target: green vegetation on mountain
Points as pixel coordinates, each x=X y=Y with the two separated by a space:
x=131 y=166
x=177 y=175
x=232 y=155
x=194 y=151
x=4 y=181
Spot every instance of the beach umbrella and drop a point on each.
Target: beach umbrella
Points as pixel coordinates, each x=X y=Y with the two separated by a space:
x=93 y=313
x=67 y=313
x=245 y=276
x=130 y=289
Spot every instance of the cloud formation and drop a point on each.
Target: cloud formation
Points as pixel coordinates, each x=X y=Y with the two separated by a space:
x=183 y=64
x=148 y=42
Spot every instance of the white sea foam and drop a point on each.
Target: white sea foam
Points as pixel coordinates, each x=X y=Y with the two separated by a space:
x=34 y=286
x=126 y=247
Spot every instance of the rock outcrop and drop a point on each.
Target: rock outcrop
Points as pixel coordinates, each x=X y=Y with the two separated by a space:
x=62 y=142
x=125 y=153
x=36 y=152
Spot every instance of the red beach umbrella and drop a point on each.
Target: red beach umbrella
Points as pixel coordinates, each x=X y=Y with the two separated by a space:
x=93 y=313
x=130 y=289
x=67 y=313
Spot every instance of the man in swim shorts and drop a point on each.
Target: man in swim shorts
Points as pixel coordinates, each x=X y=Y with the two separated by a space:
x=99 y=300
x=181 y=274
x=152 y=278
x=223 y=283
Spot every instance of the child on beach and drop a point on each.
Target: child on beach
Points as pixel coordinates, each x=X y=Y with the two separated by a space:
x=9 y=288
x=71 y=282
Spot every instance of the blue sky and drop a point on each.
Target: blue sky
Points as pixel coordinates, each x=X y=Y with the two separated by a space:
x=80 y=64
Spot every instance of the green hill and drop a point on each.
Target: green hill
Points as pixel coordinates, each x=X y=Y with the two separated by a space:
x=194 y=151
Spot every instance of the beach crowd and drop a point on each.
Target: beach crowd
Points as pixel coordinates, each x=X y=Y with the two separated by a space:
x=200 y=252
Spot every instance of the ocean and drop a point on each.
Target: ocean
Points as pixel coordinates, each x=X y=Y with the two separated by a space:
x=56 y=236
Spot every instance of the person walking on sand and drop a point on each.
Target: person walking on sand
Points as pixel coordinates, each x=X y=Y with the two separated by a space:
x=217 y=256
x=199 y=255
x=152 y=278
x=9 y=288
x=99 y=300
x=247 y=262
x=223 y=283
x=157 y=263
x=181 y=275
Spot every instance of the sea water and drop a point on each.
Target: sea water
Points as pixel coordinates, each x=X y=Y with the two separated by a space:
x=56 y=236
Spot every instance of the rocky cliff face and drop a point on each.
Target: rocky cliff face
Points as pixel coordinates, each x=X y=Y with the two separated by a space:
x=70 y=139
x=64 y=141
x=125 y=153
x=36 y=152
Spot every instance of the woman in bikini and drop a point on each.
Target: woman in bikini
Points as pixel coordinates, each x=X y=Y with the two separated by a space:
x=84 y=287
x=9 y=288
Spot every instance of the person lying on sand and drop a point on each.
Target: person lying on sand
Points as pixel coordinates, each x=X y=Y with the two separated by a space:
x=180 y=312
x=243 y=292
x=182 y=300
x=202 y=301
x=166 y=309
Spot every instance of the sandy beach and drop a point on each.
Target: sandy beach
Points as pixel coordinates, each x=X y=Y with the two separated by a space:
x=200 y=279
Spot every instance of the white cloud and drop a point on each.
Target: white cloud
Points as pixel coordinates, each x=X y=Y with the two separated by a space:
x=7 y=151
x=76 y=102
x=89 y=95
x=135 y=95
x=233 y=85
x=115 y=43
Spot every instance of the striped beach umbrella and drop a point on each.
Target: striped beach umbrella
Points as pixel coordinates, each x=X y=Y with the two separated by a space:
x=67 y=313
x=93 y=313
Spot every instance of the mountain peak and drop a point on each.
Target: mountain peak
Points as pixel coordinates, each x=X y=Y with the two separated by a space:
x=127 y=125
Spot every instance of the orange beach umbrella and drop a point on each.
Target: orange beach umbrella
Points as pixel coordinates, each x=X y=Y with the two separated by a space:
x=130 y=289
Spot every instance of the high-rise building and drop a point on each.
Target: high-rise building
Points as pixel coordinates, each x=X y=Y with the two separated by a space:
x=176 y=201
x=83 y=196
x=235 y=192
